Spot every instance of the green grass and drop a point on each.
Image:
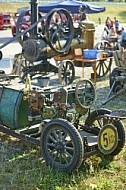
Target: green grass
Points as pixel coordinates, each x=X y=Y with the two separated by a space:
x=23 y=168
x=29 y=173
x=118 y=11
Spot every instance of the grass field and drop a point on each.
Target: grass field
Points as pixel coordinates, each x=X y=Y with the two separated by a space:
x=23 y=168
x=112 y=11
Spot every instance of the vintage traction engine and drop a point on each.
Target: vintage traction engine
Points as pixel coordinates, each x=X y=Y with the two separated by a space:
x=53 y=117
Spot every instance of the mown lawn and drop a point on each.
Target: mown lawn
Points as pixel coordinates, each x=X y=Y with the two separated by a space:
x=118 y=11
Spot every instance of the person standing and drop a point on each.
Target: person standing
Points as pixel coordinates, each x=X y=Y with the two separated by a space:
x=115 y=20
x=82 y=12
x=116 y=23
x=123 y=38
x=99 y=20
x=108 y=23
x=119 y=40
x=104 y=35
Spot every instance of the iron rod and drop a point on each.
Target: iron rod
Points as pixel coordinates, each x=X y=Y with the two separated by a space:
x=20 y=136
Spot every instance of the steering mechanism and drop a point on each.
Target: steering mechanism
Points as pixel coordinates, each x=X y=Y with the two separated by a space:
x=59 y=32
x=85 y=93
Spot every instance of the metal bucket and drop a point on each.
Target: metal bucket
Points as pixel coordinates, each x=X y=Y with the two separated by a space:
x=13 y=109
x=43 y=81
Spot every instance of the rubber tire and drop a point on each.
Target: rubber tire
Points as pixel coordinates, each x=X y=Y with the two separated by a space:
x=118 y=124
x=77 y=145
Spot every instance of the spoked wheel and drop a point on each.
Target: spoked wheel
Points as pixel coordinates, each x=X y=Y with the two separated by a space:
x=118 y=84
x=20 y=65
x=103 y=66
x=85 y=93
x=66 y=72
x=18 y=60
x=111 y=133
x=24 y=68
x=59 y=33
x=103 y=45
x=61 y=145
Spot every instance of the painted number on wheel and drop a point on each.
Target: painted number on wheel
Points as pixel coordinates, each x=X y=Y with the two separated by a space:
x=108 y=139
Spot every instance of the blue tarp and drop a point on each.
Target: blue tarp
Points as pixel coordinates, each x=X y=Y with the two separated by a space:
x=72 y=6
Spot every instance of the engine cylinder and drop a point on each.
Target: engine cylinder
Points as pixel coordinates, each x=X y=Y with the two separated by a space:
x=34 y=50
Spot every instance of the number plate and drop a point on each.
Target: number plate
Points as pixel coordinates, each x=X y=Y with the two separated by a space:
x=107 y=139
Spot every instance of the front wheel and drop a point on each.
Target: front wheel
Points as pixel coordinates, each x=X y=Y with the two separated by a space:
x=61 y=145
x=66 y=72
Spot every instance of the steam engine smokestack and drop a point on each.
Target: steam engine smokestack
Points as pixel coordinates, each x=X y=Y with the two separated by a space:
x=34 y=16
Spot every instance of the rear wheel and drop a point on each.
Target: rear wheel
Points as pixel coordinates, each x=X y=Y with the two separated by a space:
x=95 y=121
x=61 y=145
x=103 y=66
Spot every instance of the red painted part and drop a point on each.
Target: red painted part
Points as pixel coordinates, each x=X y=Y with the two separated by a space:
x=8 y=20
x=25 y=23
x=1 y=21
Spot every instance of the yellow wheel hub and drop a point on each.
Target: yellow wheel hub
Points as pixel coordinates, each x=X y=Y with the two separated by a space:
x=107 y=139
